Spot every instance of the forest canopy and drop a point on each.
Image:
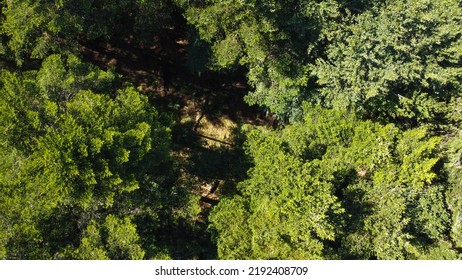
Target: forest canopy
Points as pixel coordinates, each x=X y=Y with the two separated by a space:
x=231 y=129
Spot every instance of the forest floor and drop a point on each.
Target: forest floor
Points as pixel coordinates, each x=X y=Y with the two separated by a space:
x=207 y=111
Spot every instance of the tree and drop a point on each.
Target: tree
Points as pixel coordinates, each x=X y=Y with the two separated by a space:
x=120 y=242
x=37 y=28
x=453 y=194
x=275 y=40
x=397 y=62
x=334 y=186
x=79 y=167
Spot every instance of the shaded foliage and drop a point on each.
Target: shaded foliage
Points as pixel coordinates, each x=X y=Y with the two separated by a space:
x=275 y=40
x=38 y=28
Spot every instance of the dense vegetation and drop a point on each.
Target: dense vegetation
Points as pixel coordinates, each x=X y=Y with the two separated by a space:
x=363 y=159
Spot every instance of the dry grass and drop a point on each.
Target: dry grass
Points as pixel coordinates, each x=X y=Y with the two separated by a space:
x=222 y=131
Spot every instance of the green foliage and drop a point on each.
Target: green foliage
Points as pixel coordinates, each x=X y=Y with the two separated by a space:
x=440 y=251
x=335 y=187
x=429 y=215
x=230 y=220
x=36 y=28
x=86 y=170
x=115 y=239
x=61 y=77
x=454 y=192
x=72 y=157
x=398 y=62
x=273 y=39
x=20 y=113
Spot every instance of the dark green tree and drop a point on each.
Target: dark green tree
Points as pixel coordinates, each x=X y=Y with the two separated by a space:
x=275 y=40
x=37 y=28
x=393 y=60
x=398 y=62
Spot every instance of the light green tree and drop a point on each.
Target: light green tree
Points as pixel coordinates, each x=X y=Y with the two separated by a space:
x=334 y=186
x=76 y=162
x=454 y=192
x=114 y=239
